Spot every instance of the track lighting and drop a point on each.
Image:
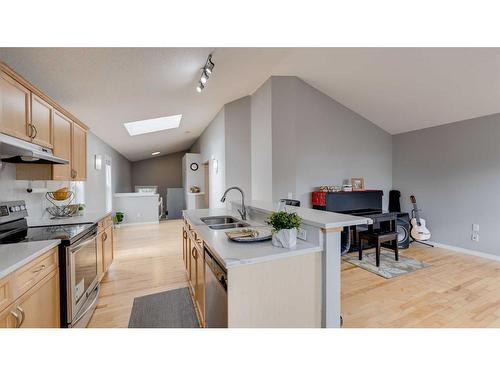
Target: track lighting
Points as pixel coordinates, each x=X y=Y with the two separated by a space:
x=205 y=74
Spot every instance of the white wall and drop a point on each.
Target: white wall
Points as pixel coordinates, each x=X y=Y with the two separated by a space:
x=261 y=143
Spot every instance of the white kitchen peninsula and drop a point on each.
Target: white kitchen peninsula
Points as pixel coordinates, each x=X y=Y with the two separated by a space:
x=275 y=287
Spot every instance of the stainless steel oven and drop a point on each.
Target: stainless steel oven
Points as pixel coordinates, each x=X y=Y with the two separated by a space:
x=81 y=279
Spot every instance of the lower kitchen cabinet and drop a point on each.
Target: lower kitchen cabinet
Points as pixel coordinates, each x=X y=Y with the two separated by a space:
x=39 y=307
x=105 y=247
x=200 y=282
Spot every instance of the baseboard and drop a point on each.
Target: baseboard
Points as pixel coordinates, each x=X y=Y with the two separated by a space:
x=141 y=223
x=466 y=251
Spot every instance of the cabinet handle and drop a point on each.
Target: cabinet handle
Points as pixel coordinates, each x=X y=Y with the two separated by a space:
x=104 y=236
x=36 y=131
x=15 y=315
x=23 y=315
x=39 y=269
x=193 y=253
x=73 y=173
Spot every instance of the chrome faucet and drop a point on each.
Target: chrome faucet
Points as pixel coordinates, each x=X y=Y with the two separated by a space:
x=243 y=211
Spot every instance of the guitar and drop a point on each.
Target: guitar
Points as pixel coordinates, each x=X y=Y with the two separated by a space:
x=418 y=229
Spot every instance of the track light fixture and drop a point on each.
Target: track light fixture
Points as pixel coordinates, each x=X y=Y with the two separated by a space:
x=207 y=70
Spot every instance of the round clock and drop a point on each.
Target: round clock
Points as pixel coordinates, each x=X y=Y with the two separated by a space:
x=194 y=166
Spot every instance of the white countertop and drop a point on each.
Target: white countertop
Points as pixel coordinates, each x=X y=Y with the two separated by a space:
x=14 y=256
x=315 y=218
x=233 y=254
x=136 y=195
x=87 y=217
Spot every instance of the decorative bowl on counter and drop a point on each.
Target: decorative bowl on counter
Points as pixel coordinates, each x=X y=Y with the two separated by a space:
x=61 y=194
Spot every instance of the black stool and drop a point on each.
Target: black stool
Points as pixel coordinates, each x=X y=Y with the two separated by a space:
x=379 y=238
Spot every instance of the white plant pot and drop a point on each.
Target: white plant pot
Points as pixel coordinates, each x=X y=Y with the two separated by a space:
x=286 y=238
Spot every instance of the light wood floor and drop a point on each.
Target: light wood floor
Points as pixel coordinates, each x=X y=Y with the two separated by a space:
x=457 y=291
x=148 y=259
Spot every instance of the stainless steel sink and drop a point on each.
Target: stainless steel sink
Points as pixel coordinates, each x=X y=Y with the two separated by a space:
x=228 y=226
x=216 y=220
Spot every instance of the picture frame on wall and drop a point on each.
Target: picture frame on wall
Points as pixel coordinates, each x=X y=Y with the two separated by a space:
x=358 y=183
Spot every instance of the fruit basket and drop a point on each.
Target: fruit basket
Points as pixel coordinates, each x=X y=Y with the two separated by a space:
x=61 y=207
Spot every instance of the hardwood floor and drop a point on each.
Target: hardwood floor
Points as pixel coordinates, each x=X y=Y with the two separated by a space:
x=148 y=259
x=457 y=291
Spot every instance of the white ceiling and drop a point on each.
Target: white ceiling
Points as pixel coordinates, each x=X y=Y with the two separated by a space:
x=398 y=89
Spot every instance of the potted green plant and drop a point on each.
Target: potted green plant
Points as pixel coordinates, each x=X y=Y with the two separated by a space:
x=285 y=225
x=118 y=218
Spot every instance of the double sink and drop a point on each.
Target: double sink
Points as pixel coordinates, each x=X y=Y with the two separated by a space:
x=223 y=222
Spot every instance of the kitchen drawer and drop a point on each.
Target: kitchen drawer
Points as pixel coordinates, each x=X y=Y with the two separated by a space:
x=5 y=292
x=33 y=272
x=104 y=223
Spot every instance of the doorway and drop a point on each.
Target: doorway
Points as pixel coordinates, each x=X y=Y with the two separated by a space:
x=206 y=172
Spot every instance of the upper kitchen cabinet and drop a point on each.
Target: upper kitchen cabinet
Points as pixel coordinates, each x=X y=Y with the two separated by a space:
x=62 y=146
x=29 y=114
x=40 y=128
x=78 y=153
x=14 y=107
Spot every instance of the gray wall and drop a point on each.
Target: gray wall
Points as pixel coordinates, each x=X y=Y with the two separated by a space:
x=162 y=171
x=121 y=178
x=453 y=170
x=211 y=145
x=315 y=141
x=238 y=150
x=261 y=143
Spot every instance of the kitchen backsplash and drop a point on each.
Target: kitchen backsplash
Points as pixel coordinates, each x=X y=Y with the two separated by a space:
x=12 y=189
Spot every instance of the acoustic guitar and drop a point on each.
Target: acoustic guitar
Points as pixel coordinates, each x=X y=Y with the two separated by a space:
x=418 y=231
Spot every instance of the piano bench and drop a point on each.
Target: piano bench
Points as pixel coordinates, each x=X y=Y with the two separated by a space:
x=379 y=238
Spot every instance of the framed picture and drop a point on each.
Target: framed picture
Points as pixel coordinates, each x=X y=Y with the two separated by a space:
x=358 y=183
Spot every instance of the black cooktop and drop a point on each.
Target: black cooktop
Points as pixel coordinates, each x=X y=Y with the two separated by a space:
x=20 y=232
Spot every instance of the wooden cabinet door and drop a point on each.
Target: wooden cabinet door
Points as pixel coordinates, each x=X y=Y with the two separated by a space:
x=41 y=122
x=14 y=107
x=107 y=248
x=200 y=283
x=39 y=307
x=192 y=266
x=7 y=320
x=78 y=153
x=100 y=255
x=62 y=146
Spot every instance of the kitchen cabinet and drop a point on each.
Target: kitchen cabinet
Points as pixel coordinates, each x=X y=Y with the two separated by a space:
x=33 y=294
x=28 y=114
x=78 y=153
x=39 y=307
x=200 y=282
x=105 y=246
x=14 y=107
x=62 y=146
x=40 y=127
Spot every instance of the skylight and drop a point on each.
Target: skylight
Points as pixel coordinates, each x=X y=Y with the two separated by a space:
x=153 y=125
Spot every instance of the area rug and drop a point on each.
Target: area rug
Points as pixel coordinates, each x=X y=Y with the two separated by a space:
x=171 y=309
x=389 y=268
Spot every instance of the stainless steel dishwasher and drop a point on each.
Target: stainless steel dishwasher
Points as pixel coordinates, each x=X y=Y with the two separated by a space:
x=215 y=293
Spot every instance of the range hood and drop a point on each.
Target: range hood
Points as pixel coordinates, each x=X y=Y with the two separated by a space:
x=13 y=150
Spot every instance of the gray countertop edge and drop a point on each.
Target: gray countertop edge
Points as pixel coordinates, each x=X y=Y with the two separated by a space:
x=31 y=250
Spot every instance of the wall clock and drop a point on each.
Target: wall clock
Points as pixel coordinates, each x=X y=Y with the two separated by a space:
x=194 y=166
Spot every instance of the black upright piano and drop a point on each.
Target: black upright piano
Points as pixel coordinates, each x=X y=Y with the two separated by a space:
x=366 y=203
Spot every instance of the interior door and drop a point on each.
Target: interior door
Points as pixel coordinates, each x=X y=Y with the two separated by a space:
x=62 y=146
x=14 y=107
x=41 y=121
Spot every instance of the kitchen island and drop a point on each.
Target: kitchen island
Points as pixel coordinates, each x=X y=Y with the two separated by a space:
x=269 y=286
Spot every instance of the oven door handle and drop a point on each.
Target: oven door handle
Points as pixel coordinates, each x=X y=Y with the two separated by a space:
x=73 y=249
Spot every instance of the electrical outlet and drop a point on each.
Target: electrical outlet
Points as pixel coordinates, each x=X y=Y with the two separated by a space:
x=475 y=227
x=290 y=195
x=475 y=236
x=302 y=234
